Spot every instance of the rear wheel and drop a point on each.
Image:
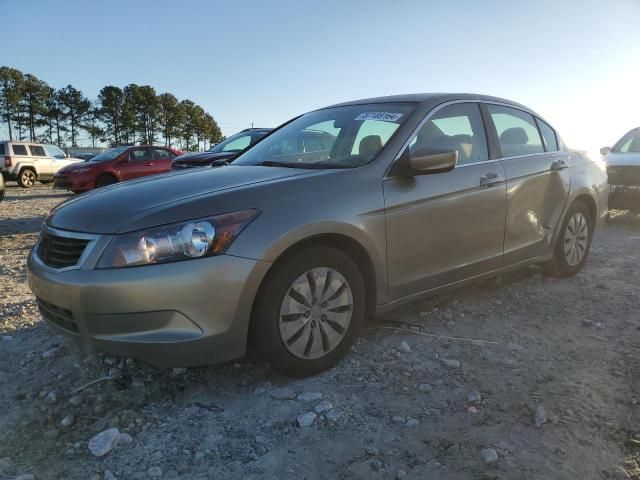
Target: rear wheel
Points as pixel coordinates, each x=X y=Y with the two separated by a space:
x=573 y=245
x=309 y=312
x=45 y=182
x=27 y=178
x=105 y=179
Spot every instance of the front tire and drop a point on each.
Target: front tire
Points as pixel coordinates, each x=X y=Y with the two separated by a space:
x=105 y=180
x=573 y=244
x=27 y=178
x=309 y=312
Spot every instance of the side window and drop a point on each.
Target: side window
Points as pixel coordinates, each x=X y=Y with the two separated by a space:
x=629 y=144
x=140 y=155
x=55 y=152
x=548 y=135
x=37 y=151
x=238 y=144
x=517 y=131
x=456 y=127
x=19 y=149
x=161 y=154
x=2 y=150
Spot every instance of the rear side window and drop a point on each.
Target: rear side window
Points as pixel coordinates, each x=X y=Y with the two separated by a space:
x=2 y=149
x=161 y=154
x=517 y=131
x=630 y=143
x=548 y=136
x=37 y=151
x=19 y=149
x=456 y=127
x=140 y=155
x=238 y=144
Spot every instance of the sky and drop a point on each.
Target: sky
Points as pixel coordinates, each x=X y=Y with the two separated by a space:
x=575 y=62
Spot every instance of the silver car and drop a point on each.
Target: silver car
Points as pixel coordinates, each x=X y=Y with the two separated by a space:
x=623 y=167
x=289 y=251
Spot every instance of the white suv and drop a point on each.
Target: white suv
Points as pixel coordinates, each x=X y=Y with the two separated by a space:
x=27 y=162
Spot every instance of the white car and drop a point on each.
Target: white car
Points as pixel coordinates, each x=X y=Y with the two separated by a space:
x=26 y=162
x=623 y=168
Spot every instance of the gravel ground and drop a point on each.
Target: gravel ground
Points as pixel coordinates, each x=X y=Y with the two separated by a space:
x=540 y=382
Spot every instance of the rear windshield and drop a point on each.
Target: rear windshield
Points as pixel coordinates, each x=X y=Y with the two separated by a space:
x=19 y=149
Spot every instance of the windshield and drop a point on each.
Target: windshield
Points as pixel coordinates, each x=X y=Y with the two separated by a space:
x=237 y=142
x=109 y=154
x=339 y=137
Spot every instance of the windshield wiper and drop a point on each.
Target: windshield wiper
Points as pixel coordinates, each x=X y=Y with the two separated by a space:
x=310 y=166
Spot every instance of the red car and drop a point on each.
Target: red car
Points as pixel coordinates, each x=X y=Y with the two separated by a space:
x=115 y=165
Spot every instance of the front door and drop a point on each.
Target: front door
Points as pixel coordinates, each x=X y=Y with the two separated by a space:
x=445 y=227
x=42 y=161
x=538 y=181
x=140 y=164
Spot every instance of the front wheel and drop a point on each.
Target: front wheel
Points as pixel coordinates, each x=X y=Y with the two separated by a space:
x=573 y=244
x=27 y=178
x=309 y=312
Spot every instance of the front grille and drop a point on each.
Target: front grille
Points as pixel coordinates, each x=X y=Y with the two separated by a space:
x=60 y=252
x=57 y=315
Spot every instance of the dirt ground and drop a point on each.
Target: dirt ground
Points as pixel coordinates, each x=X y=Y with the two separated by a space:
x=460 y=398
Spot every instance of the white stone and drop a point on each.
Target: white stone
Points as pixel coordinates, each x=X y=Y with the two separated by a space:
x=104 y=442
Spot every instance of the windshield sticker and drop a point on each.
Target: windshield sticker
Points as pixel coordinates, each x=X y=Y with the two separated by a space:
x=381 y=116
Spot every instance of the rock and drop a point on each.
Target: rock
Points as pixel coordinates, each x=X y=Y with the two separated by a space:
x=104 y=442
x=52 y=352
x=332 y=415
x=474 y=396
x=199 y=457
x=125 y=439
x=25 y=476
x=67 y=421
x=309 y=396
x=373 y=451
x=76 y=401
x=5 y=464
x=397 y=419
x=489 y=455
x=178 y=371
x=376 y=465
x=7 y=338
x=283 y=394
x=404 y=347
x=450 y=363
x=154 y=472
x=306 y=419
x=400 y=475
x=447 y=315
x=472 y=409
x=108 y=475
x=51 y=398
x=412 y=423
x=424 y=387
x=323 y=406
x=540 y=417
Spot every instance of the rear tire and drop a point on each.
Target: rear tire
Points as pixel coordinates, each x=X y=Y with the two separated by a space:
x=105 y=179
x=300 y=327
x=27 y=178
x=45 y=182
x=573 y=243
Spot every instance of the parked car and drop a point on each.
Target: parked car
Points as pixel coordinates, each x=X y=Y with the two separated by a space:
x=115 y=165
x=291 y=251
x=623 y=167
x=26 y=162
x=222 y=152
x=2 y=188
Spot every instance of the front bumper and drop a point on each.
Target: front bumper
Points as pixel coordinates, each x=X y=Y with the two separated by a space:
x=624 y=197
x=65 y=182
x=186 y=313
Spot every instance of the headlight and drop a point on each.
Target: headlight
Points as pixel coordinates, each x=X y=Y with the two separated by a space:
x=179 y=241
x=81 y=170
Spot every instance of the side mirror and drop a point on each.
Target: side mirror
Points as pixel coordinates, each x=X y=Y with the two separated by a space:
x=605 y=150
x=124 y=159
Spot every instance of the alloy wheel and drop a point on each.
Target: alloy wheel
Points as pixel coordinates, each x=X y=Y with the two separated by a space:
x=28 y=178
x=576 y=239
x=315 y=313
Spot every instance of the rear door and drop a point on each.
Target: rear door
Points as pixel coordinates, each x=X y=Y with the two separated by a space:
x=42 y=161
x=445 y=227
x=537 y=177
x=161 y=160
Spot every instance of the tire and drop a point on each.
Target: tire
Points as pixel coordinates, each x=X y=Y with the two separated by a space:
x=105 y=180
x=2 y=192
x=45 y=182
x=283 y=327
x=27 y=178
x=573 y=244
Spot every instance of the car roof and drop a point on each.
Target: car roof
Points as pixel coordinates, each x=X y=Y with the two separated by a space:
x=429 y=98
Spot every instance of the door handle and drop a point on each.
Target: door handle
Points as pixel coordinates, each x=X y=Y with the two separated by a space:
x=148 y=164
x=489 y=179
x=559 y=165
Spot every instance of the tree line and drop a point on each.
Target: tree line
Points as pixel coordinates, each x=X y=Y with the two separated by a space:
x=34 y=111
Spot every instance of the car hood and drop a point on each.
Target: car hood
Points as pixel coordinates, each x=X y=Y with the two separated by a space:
x=120 y=207
x=622 y=159
x=76 y=165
